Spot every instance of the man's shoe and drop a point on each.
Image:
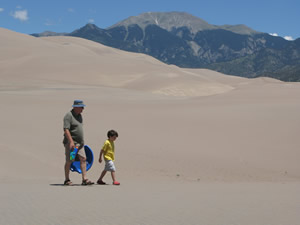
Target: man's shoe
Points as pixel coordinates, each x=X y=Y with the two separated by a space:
x=87 y=182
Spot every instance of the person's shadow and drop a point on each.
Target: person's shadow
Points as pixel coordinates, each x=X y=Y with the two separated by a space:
x=62 y=185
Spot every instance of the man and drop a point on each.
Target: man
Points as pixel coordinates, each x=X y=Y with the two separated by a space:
x=73 y=136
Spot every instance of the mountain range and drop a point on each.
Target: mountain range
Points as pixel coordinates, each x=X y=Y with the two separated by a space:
x=187 y=41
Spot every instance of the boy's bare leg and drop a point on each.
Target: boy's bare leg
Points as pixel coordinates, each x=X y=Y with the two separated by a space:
x=113 y=176
x=102 y=175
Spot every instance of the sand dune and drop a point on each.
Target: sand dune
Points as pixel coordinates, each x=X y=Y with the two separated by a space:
x=195 y=146
x=58 y=60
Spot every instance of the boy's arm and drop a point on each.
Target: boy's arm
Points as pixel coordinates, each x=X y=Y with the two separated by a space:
x=100 y=157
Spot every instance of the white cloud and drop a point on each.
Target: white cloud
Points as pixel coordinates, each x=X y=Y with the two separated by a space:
x=91 y=21
x=288 y=38
x=71 y=10
x=21 y=15
x=1 y=9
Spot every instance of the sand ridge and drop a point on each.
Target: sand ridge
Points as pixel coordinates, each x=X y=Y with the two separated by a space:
x=69 y=59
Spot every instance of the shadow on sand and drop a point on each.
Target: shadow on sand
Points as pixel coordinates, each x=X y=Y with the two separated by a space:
x=62 y=185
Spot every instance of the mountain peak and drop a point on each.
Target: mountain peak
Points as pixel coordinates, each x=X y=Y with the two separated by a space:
x=91 y=26
x=167 y=21
x=170 y=20
x=88 y=28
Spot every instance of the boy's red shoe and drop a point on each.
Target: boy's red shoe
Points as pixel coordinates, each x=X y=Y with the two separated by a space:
x=116 y=183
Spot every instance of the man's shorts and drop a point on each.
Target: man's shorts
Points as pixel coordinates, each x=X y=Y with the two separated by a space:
x=80 y=152
x=109 y=166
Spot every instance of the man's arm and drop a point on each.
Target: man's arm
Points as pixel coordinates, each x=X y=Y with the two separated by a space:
x=70 y=139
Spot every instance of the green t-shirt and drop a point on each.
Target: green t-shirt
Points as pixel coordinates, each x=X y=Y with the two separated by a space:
x=74 y=124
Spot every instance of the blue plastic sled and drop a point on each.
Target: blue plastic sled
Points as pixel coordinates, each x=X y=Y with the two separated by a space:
x=75 y=166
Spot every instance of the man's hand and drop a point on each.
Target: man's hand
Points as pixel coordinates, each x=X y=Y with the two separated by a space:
x=72 y=145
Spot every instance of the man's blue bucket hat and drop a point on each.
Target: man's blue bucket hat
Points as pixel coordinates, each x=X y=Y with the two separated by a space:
x=78 y=103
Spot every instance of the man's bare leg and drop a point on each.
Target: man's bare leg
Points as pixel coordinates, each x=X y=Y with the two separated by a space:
x=83 y=167
x=67 y=172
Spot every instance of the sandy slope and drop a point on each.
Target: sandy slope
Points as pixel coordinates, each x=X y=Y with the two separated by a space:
x=195 y=146
x=67 y=60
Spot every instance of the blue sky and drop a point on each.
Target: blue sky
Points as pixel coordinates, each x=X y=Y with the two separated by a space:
x=34 y=16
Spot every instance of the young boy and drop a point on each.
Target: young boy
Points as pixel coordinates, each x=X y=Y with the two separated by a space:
x=108 y=153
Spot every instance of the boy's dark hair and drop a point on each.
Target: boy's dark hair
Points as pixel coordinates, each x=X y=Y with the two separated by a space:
x=112 y=133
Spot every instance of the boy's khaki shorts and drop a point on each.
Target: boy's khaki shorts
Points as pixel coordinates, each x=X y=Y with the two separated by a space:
x=109 y=166
x=80 y=152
